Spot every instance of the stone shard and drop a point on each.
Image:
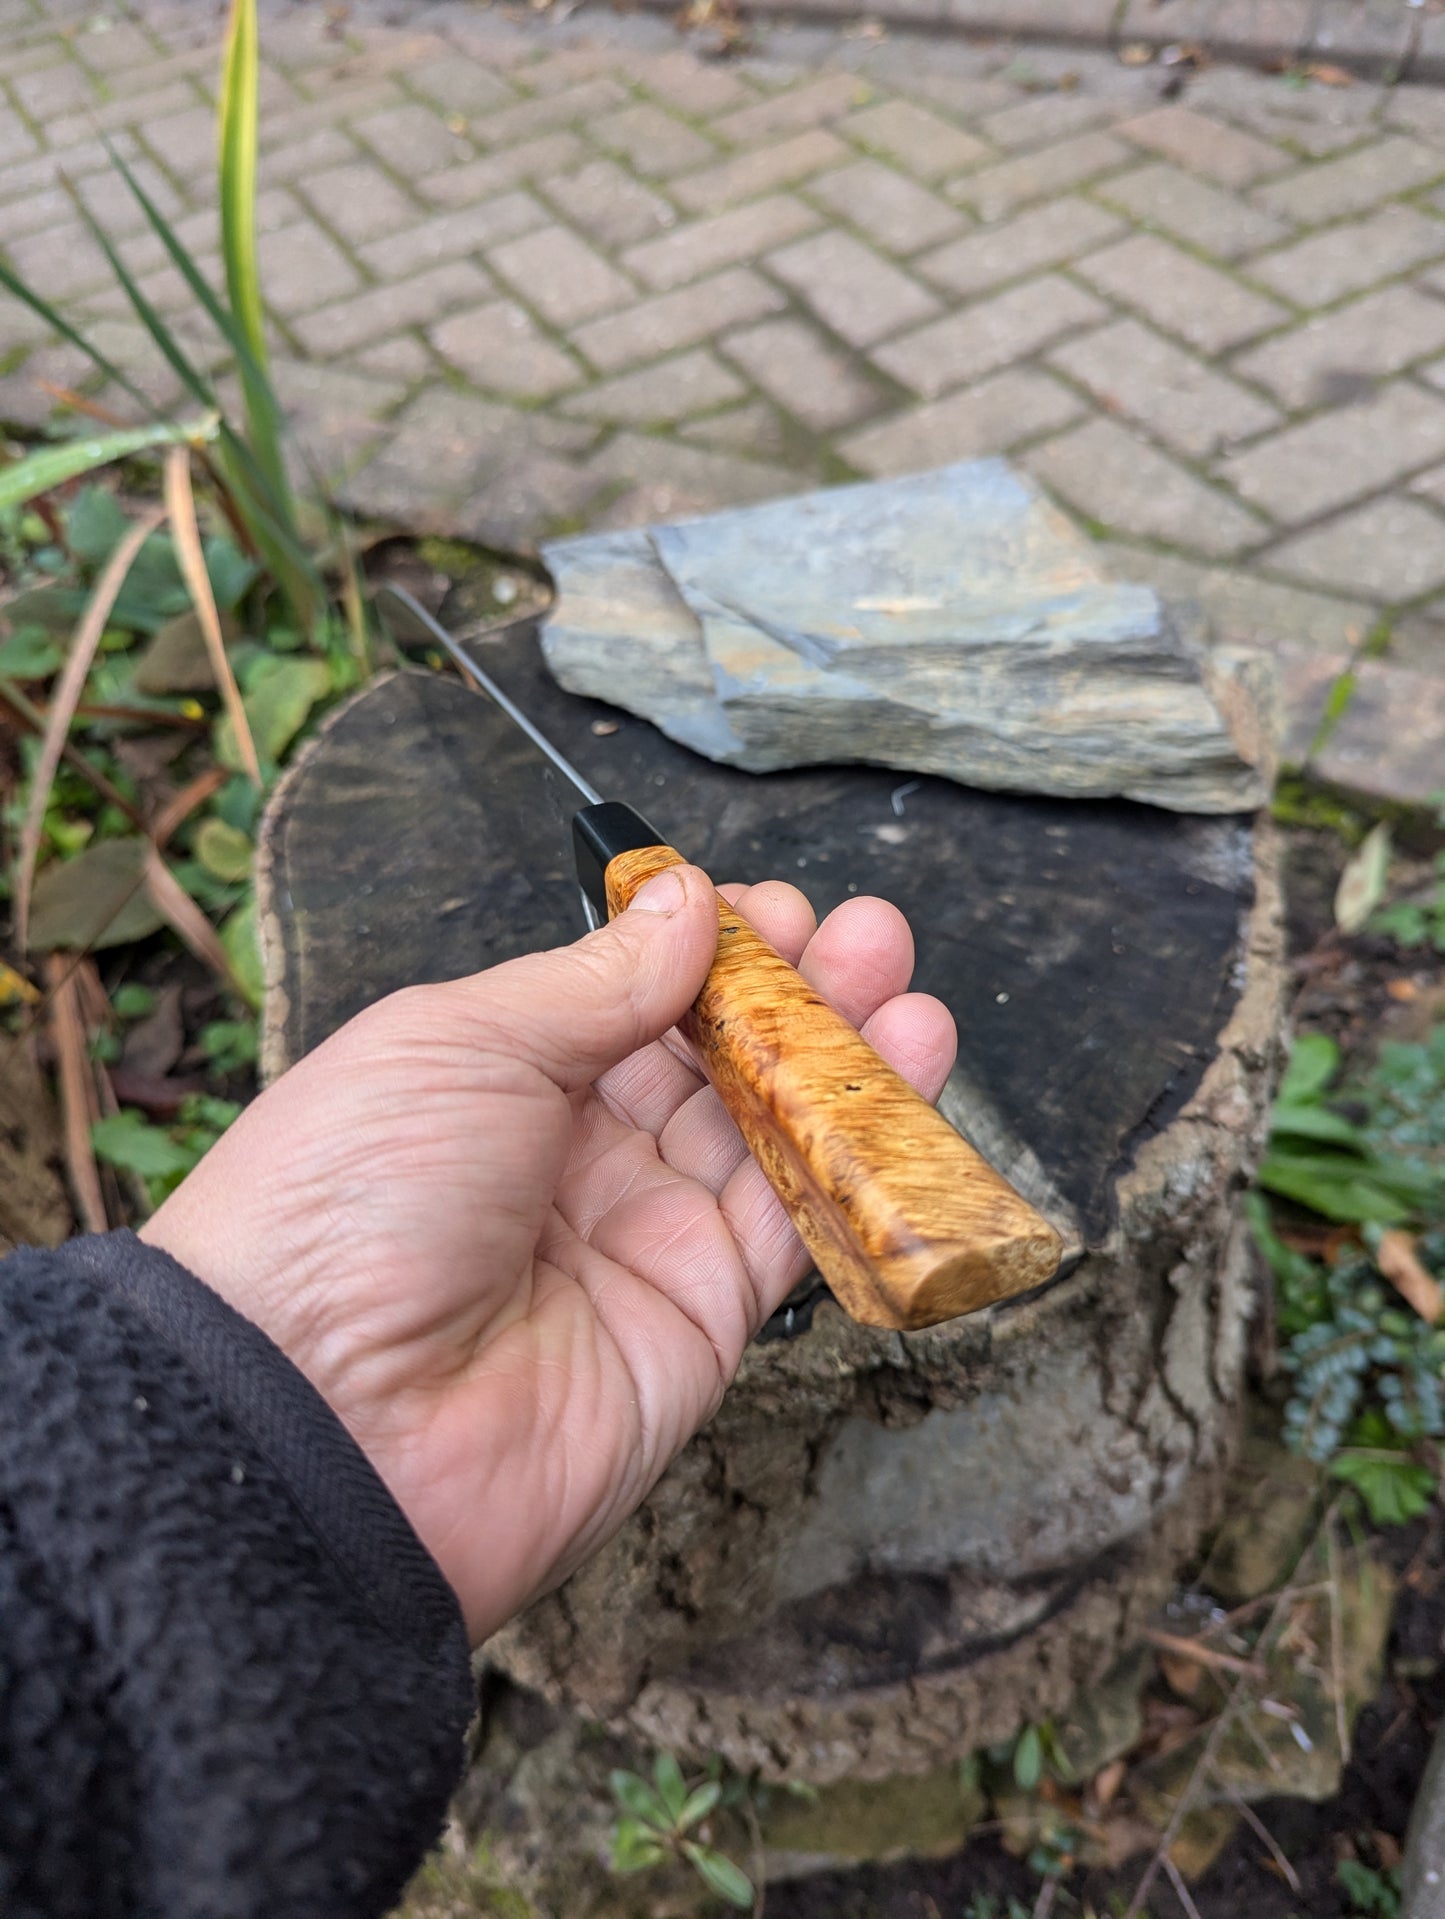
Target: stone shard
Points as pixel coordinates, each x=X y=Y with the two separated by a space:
x=952 y=623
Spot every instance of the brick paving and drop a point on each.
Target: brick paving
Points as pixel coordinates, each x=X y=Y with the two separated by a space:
x=530 y=275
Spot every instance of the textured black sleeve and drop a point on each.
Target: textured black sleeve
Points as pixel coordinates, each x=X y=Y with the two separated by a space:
x=232 y=1681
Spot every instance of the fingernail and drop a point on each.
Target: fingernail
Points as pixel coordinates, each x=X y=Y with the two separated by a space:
x=663 y=893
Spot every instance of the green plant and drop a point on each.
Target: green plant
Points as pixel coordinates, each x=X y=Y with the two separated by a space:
x=1365 y=1373
x=1372 y=1894
x=667 y=1819
x=161 y=1156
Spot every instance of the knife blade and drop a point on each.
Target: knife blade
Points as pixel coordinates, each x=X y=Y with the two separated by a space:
x=908 y=1224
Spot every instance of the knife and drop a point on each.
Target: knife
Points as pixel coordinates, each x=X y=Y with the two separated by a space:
x=905 y=1221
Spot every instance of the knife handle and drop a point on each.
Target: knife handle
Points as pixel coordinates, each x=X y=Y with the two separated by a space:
x=906 y=1222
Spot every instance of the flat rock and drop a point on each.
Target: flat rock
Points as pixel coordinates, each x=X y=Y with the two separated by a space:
x=951 y=623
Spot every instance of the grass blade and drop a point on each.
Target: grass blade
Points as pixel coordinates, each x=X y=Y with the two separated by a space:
x=181 y=505
x=254 y=377
x=194 y=381
x=64 y=703
x=52 y=466
x=237 y=174
x=13 y=284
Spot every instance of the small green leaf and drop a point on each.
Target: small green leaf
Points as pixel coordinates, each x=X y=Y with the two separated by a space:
x=634 y=1795
x=720 y=1875
x=238 y=936
x=52 y=466
x=128 y=1140
x=95 y=898
x=1312 y=1121
x=29 y=654
x=1394 y=1488
x=229 y=1044
x=223 y=851
x=131 y=1000
x=698 y=1805
x=95 y=524
x=671 y=1788
x=1313 y=1062
x=1028 y=1759
x=277 y=701
x=634 y=1847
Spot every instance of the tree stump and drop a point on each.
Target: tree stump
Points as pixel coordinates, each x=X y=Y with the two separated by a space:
x=886 y=1549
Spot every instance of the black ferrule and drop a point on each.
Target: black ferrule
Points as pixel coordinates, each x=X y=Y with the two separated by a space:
x=599 y=834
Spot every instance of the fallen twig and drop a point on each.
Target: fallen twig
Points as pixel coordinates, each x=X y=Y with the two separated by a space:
x=1203 y=1655
x=1337 y=1640
x=1176 y=1879
x=79 y=1106
x=1262 y=1831
x=181 y=505
x=64 y=702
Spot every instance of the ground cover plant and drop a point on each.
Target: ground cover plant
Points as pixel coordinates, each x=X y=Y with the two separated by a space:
x=173 y=617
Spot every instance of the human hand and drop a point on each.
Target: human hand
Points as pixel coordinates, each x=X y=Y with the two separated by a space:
x=507 y=1230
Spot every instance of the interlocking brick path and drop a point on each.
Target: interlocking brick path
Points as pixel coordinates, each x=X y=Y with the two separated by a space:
x=530 y=275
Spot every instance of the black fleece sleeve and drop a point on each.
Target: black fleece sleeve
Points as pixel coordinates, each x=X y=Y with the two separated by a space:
x=232 y=1681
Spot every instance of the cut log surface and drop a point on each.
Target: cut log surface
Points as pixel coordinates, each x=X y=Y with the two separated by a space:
x=886 y=1547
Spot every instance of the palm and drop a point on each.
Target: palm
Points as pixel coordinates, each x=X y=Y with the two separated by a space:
x=523 y=1297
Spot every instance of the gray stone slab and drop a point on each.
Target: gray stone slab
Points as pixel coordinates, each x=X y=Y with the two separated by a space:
x=946 y=623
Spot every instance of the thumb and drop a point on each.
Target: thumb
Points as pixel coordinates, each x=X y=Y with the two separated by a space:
x=577 y=1010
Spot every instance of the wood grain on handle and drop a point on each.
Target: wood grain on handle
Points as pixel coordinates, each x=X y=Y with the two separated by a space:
x=906 y=1222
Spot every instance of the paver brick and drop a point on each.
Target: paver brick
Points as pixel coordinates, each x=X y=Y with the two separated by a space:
x=302 y=267
x=560 y=275
x=123 y=44
x=116 y=208
x=1200 y=144
x=741 y=233
x=359 y=200
x=1337 y=354
x=654 y=142
x=1392 y=548
x=1341 y=455
x=413 y=139
x=111 y=115
x=1243 y=610
x=1046 y=117
x=54 y=90
x=862 y=298
x=1046 y=236
x=575 y=106
x=1011 y=326
x=60 y=262
x=691 y=85
x=927 y=145
x=402 y=358
x=1324 y=267
x=992 y=416
x=499 y=347
x=461 y=85
x=1105 y=472
x=608 y=204
x=17 y=142
x=480 y=179
x=671 y=321
x=311 y=153
x=1182 y=402
x=753 y=428
x=1179 y=293
x=445 y=236
x=670 y=479
x=413 y=301
x=670 y=390
x=1348 y=185
x=807 y=376
x=827 y=98
x=995 y=191
x=1162 y=196
x=748 y=175
x=892 y=209
x=1386 y=743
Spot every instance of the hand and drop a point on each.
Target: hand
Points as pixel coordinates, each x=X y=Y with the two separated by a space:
x=507 y=1230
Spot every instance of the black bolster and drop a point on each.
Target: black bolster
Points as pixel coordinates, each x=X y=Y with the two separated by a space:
x=599 y=834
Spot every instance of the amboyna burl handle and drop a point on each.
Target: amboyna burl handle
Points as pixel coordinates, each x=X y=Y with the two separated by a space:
x=907 y=1223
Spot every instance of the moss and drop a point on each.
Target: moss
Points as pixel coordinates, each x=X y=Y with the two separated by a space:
x=926 y=1815
x=1301 y=801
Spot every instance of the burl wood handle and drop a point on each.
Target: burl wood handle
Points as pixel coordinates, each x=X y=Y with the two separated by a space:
x=907 y=1223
